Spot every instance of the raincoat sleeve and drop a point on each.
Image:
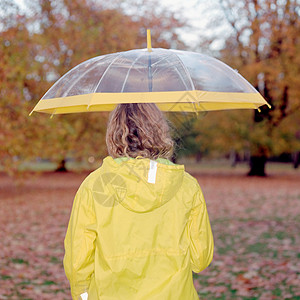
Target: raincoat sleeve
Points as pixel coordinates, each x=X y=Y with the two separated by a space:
x=201 y=238
x=80 y=243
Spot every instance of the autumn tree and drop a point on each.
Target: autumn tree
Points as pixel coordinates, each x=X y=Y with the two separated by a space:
x=43 y=43
x=264 y=45
x=16 y=52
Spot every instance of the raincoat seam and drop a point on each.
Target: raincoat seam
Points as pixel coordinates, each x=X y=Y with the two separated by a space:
x=192 y=179
x=79 y=286
x=162 y=193
x=198 y=265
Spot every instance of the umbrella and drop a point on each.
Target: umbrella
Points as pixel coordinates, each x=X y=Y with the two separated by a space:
x=175 y=80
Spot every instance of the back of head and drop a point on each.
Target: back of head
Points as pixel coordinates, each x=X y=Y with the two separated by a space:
x=138 y=129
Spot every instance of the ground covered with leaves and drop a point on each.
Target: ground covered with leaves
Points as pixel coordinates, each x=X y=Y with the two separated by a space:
x=255 y=222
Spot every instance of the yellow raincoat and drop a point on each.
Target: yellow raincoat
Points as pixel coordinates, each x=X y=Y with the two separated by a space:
x=137 y=230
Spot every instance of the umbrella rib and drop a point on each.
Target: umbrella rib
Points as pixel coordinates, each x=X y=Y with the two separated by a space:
x=194 y=106
x=59 y=80
x=127 y=75
x=180 y=76
x=82 y=75
x=159 y=61
x=107 y=68
x=182 y=79
x=186 y=71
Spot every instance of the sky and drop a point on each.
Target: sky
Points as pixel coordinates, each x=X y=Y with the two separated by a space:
x=203 y=16
x=200 y=14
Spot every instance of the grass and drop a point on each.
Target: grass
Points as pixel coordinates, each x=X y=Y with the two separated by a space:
x=224 y=167
x=255 y=223
x=205 y=166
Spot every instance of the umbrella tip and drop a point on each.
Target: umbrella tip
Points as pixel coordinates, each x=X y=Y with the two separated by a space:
x=53 y=114
x=149 y=40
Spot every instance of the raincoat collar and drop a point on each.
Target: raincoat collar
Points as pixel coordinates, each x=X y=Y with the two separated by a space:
x=131 y=186
x=160 y=160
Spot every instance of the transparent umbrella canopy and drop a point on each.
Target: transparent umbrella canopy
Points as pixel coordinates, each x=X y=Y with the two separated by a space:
x=175 y=80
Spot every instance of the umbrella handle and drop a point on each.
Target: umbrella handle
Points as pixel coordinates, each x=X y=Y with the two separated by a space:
x=149 y=40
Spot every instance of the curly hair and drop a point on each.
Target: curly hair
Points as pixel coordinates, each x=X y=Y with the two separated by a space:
x=138 y=129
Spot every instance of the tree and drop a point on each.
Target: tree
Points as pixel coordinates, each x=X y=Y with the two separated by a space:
x=42 y=44
x=264 y=46
x=16 y=60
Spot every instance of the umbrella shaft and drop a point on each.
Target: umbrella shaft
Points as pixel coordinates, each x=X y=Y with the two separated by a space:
x=149 y=74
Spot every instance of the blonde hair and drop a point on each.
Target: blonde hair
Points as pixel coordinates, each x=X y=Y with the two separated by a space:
x=138 y=129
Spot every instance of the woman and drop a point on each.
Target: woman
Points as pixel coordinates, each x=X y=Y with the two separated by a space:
x=139 y=224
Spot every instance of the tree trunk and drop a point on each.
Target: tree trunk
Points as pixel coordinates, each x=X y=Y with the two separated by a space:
x=296 y=159
x=62 y=166
x=233 y=158
x=257 y=166
x=198 y=157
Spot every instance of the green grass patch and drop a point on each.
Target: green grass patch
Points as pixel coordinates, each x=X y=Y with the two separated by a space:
x=257 y=248
x=277 y=292
x=49 y=282
x=48 y=166
x=266 y=235
x=54 y=260
x=280 y=235
x=19 y=261
x=25 y=282
x=224 y=250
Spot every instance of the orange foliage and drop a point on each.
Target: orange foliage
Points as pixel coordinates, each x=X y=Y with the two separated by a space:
x=39 y=47
x=265 y=47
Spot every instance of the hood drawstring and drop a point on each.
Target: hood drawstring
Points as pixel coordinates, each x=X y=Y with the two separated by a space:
x=152 y=171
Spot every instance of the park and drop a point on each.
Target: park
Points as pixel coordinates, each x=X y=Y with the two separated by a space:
x=255 y=223
x=233 y=114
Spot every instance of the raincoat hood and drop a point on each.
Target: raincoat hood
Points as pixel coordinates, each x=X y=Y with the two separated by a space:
x=141 y=184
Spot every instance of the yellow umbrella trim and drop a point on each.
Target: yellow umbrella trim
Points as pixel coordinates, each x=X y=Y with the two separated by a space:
x=188 y=101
